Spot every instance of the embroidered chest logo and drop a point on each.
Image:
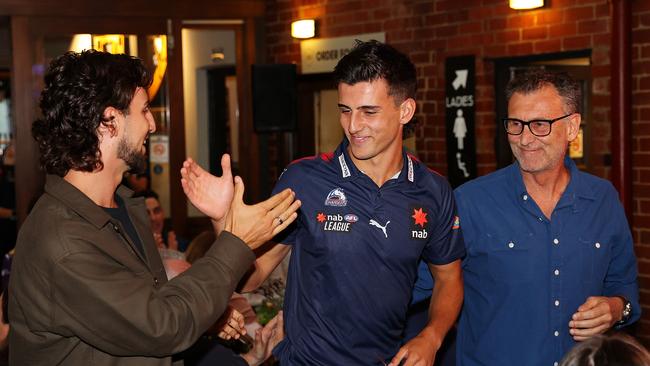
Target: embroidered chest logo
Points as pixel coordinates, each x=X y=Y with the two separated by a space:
x=336 y=222
x=336 y=198
x=378 y=225
x=419 y=226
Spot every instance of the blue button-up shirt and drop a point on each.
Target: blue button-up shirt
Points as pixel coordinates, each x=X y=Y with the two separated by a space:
x=525 y=275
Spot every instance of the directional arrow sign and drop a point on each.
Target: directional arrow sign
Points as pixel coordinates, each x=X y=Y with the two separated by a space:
x=461 y=79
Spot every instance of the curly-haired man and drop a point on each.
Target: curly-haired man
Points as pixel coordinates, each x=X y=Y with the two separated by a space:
x=88 y=285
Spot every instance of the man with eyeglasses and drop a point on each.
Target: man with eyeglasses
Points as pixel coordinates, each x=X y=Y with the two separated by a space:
x=550 y=259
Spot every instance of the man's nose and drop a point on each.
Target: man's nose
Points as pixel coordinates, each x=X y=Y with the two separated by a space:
x=527 y=136
x=356 y=123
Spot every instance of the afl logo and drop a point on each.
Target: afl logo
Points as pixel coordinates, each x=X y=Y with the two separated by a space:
x=351 y=218
x=336 y=197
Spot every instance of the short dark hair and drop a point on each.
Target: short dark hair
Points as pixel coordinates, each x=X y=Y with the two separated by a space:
x=607 y=349
x=78 y=88
x=532 y=81
x=373 y=60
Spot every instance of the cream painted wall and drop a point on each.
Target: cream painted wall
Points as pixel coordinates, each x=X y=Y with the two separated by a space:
x=197 y=48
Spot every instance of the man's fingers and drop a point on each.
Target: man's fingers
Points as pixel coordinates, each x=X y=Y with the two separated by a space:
x=276 y=199
x=589 y=332
x=403 y=353
x=239 y=190
x=225 y=166
x=284 y=224
x=590 y=303
x=282 y=207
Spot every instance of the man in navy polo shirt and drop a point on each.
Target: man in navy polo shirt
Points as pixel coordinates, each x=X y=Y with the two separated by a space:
x=550 y=259
x=369 y=213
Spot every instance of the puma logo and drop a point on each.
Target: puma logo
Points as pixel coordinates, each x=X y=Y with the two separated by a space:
x=383 y=228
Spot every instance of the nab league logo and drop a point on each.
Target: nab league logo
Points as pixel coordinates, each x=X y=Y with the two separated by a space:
x=336 y=198
x=419 y=225
x=337 y=222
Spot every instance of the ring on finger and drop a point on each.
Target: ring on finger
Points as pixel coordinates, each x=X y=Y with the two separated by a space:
x=280 y=220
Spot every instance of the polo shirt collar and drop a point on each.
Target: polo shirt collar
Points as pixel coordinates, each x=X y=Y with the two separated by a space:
x=575 y=189
x=348 y=171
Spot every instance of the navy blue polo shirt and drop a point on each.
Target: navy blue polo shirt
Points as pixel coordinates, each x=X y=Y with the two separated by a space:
x=526 y=275
x=355 y=256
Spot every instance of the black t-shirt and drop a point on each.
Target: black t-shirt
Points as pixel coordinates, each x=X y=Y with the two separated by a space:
x=122 y=215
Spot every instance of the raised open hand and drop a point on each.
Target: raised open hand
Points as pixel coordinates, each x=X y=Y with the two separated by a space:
x=211 y=195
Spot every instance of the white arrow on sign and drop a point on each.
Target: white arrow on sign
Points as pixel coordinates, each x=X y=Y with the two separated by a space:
x=461 y=79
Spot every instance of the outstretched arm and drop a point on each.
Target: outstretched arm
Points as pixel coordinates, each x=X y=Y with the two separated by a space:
x=445 y=304
x=264 y=266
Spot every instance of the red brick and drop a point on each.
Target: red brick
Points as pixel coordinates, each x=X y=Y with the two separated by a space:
x=603 y=39
x=497 y=24
x=578 y=42
x=578 y=13
x=528 y=34
x=562 y=30
x=602 y=10
x=593 y=26
x=520 y=21
x=550 y=16
x=507 y=36
x=446 y=31
x=641 y=35
x=496 y=50
x=553 y=45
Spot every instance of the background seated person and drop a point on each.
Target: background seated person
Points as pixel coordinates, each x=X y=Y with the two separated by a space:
x=165 y=238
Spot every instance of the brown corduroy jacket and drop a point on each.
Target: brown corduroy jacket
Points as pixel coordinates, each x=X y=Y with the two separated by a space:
x=80 y=292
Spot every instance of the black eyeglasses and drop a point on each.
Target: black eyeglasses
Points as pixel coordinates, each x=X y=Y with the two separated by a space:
x=538 y=127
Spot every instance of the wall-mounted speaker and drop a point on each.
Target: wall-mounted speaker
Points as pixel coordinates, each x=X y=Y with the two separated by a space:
x=274 y=97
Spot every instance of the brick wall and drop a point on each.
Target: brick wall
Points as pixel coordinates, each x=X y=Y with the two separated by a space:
x=429 y=31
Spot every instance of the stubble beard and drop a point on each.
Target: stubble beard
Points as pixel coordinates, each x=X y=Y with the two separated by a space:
x=134 y=159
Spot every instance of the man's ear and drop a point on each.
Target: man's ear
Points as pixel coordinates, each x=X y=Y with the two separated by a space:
x=406 y=111
x=109 y=124
x=573 y=126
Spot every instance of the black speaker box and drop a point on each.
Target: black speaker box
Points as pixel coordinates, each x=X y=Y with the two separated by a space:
x=274 y=97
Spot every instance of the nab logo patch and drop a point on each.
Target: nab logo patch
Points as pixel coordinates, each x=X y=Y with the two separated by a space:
x=420 y=223
x=336 y=198
x=336 y=222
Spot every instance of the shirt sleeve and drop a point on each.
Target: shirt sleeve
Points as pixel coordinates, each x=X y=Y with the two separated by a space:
x=129 y=314
x=446 y=241
x=290 y=178
x=621 y=278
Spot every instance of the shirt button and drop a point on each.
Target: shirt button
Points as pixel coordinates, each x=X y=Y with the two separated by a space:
x=556 y=333
x=155 y=281
x=525 y=197
x=511 y=245
x=555 y=363
x=540 y=219
x=557 y=303
x=556 y=272
x=116 y=228
x=555 y=241
x=597 y=245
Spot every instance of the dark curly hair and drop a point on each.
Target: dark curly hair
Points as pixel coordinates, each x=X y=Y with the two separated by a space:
x=373 y=60
x=78 y=88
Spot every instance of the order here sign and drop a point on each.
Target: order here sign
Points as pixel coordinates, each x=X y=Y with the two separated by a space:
x=321 y=55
